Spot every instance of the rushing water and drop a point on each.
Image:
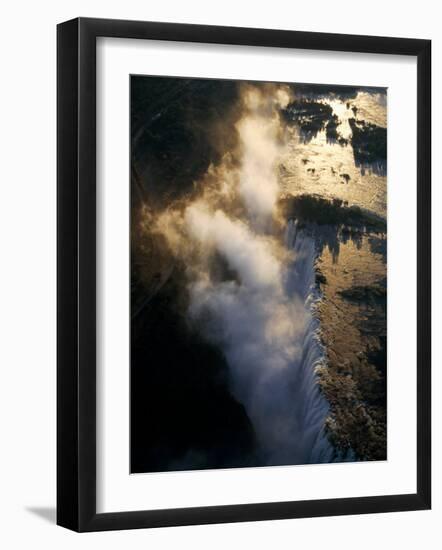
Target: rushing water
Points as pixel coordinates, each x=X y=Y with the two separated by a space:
x=269 y=332
x=264 y=319
x=312 y=408
x=253 y=290
x=267 y=318
x=352 y=308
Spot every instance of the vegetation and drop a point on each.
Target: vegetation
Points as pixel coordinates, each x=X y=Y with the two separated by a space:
x=364 y=293
x=331 y=129
x=356 y=391
x=369 y=142
x=311 y=116
x=313 y=208
x=353 y=380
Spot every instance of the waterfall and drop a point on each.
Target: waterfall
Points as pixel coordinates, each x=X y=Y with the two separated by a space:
x=267 y=328
x=260 y=308
x=313 y=407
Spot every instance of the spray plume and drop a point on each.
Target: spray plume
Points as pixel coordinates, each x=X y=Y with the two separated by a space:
x=261 y=313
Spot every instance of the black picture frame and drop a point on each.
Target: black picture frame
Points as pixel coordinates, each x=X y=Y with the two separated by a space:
x=76 y=274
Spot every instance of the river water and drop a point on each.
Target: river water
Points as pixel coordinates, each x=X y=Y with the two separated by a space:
x=297 y=307
x=316 y=165
x=351 y=309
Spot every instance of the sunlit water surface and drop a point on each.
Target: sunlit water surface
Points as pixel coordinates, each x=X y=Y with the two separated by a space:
x=319 y=166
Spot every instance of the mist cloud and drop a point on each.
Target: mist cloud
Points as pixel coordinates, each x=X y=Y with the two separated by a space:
x=261 y=318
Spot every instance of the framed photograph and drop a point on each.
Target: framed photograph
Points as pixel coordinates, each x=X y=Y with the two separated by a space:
x=243 y=274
